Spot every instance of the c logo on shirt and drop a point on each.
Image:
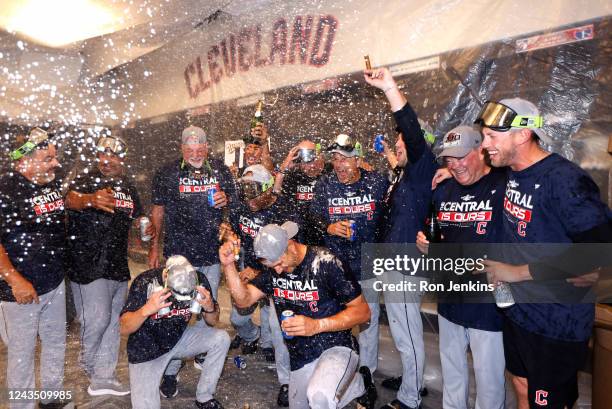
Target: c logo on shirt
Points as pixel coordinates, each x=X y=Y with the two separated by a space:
x=540 y=396
x=481 y=227
x=313 y=306
x=521 y=226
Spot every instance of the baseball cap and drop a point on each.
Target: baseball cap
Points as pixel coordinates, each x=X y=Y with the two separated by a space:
x=271 y=240
x=193 y=135
x=259 y=174
x=513 y=113
x=460 y=141
x=345 y=145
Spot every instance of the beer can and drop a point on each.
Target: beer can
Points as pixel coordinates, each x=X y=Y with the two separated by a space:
x=144 y=223
x=211 y=194
x=353 y=227
x=378 y=143
x=239 y=362
x=284 y=315
x=165 y=310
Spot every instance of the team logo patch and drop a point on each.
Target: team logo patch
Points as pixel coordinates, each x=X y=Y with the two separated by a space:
x=540 y=397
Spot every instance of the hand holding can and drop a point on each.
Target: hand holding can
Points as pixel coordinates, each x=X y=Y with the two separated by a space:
x=285 y=315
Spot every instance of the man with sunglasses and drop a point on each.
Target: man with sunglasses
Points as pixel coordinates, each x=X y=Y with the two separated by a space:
x=406 y=205
x=258 y=206
x=347 y=203
x=326 y=303
x=102 y=205
x=548 y=199
x=469 y=209
x=298 y=174
x=156 y=317
x=32 y=257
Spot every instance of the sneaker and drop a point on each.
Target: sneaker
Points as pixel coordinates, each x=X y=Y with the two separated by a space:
x=283 y=396
x=209 y=404
x=396 y=404
x=198 y=361
x=168 y=387
x=113 y=387
x=236 y=342
x=268 y=354
x=249 y=347
x=57 y=404
x=393 y=383
x=368 y=399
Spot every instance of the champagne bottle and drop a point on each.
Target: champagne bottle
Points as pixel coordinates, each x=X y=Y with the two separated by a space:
x=432 y=226
x=258 y=116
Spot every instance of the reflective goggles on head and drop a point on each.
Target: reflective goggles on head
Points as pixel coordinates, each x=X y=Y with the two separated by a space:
x=499 y=117
x=37 y=138
x=250 y=189
x=344 y=143
x=182 y=281
x=111 y=144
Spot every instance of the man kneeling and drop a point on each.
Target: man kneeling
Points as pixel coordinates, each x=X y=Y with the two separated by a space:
x=156 y=317
x=324 y=303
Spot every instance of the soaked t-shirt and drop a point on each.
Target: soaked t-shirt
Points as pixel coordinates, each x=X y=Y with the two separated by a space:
x=158 y=334
x=32 y=232
x=98 y=240
x=335 y=201
x=190 y=224
x=317 y=288
x=549 y=202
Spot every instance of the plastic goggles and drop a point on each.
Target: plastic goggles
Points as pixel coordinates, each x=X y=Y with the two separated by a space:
x=37 y=138
x=499 y=117
x=111 y=144
x=251 y=189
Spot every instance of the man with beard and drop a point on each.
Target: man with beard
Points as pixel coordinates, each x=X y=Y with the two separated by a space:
x=406 y=205
x=102 y=206
x=469 y=209
x=32 y=252
x=547 y=199
x=348 y=203
x=298 y=174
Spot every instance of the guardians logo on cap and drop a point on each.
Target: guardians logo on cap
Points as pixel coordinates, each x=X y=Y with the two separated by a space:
x=460 y=141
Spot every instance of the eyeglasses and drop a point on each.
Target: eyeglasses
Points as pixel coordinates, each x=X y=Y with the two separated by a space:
x=500 y=117
x=112 y=144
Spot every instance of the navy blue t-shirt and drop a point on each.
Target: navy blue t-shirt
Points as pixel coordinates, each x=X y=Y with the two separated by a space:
x=191 y=225
x=158 y=334
x=299 y=187
x=317 y=288
x=549 y=202
x=98 y=240
x=32 y=232
x=247 y=224
x=471 y=214
x=360 y=201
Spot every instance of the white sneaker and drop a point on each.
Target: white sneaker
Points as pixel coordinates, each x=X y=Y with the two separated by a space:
x=113 y=387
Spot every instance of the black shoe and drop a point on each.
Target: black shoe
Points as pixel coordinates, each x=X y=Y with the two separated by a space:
x=393 y=383
x=283 y=396
x=368 y=399
x=168 y=387
x=209 y=404
x=198 y=361
x=423 y=391
x=268 y=354
x=249 y=347
x=396 y=404
x=236 y=342
x=57 y=404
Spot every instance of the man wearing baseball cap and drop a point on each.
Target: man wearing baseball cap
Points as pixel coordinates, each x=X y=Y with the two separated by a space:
x=469 y=208
x=348 y=203
x=548 y=199
x=32 y=258
x=182 y=207
x=325 y=302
